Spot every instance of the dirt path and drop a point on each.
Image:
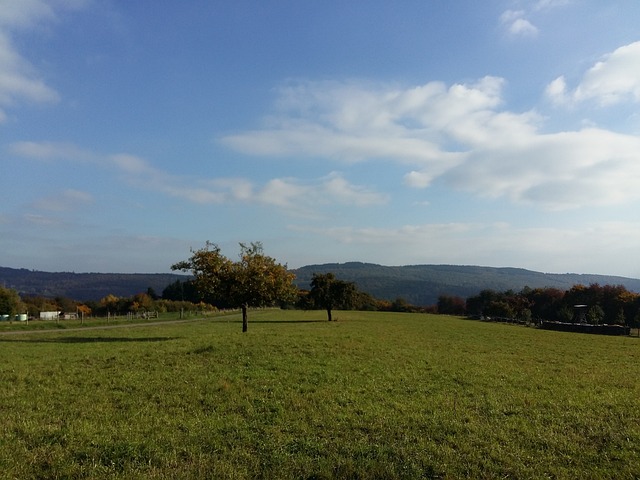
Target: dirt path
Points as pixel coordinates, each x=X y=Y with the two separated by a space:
x=109 y=327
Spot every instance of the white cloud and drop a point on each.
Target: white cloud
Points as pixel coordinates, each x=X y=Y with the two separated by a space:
x=286 y=193
x=24 y=13
x=614 y=79
x=556 y=91
x=49 y=151
x=293 y=195
x=337 y=189
x=418 y=179
x=559 y=170
x=517 y=25
x=407 y=236
x=142 y=174
x=133 y=165
x=240 y=188
x=509 y=16
x=281 y=192
x=458 y=134
x=522 y=26
x=67 y=200
x=304 y=198
x=550 y=4
x=19 y=80
x=52 y=211
x=350 y=122
x=43 y=220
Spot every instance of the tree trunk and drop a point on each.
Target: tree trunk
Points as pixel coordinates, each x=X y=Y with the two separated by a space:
x=245 y=322
x=329 y=314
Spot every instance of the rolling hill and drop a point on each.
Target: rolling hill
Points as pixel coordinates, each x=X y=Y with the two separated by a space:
x=422 y=284
x=417 y=284
x=84 y=286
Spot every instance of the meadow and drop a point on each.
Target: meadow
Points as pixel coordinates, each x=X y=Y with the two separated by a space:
x=372 y=395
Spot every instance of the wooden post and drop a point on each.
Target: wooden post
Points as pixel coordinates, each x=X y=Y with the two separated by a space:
x=245 y=322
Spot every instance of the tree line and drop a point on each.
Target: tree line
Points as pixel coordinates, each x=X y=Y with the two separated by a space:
x=258 y=280
x=11 y=303
x=599 y=304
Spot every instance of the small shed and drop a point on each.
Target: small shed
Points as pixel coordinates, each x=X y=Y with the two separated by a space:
x=50 y=315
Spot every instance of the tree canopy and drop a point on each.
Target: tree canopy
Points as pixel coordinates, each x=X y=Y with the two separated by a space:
x=327 y=292
x=611 y=304
x=255 y=280
x=10 y=302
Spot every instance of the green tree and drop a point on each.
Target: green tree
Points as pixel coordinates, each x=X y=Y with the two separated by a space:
x=500 y=309
x=35 y=305
x=401 y=305
x=10 y=302
x=525 y=315
x=327 y=292
x=256 y=280
x=141 y=301
x=65 y=304
x=595 y=315
x=545 y=303
x=565 y=314
x=478 y=304
x=451 y=305
x=110 y=304
x=182 y=291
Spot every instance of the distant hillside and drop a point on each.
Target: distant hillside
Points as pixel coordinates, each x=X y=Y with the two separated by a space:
x=84 y=286
x=418 y=284
x=423 y=284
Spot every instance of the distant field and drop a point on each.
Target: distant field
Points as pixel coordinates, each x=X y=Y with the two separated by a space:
x=88 y=322
x=373 y=395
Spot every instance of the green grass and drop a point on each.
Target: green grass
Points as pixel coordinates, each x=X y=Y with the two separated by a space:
x=373 y=395
x=15 y=326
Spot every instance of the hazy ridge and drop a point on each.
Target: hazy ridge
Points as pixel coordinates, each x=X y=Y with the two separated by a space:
x=418 y=284
x=84 y=286
x=422 y=284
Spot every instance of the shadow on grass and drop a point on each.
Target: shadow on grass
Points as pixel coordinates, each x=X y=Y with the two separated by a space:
x=88 y=340
x=285 y=321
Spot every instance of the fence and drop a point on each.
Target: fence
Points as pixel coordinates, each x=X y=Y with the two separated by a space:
x=587 y=328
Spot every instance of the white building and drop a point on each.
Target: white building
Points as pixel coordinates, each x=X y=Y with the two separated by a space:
x=49 y=315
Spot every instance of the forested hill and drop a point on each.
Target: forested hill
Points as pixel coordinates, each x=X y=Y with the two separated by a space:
x=423 y=284
x=84 y=286
x=417 y=284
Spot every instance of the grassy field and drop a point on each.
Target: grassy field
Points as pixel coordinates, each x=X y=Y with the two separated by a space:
x=91 y=321
x=373 y=395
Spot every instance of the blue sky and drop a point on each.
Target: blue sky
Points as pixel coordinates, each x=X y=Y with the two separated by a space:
x=499 y=133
